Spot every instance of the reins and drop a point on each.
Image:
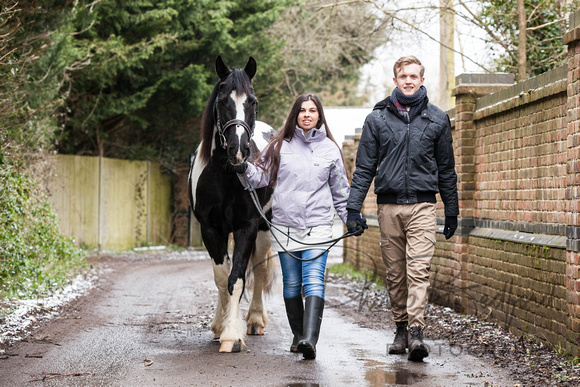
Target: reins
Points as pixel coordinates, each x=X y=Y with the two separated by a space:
x=250 y=131
x=256 y=201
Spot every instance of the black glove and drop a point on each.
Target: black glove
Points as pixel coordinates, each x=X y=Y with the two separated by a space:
x=450 y=226
x=240 y=168
x=355 y=223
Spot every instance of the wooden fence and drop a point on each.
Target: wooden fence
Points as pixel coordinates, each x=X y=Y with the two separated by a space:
x=110 y=204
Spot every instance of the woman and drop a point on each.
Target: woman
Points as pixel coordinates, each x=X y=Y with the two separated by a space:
x=304 y=164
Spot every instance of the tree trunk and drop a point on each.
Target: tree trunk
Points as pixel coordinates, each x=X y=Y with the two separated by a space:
x=446 y=55
x=522 y=41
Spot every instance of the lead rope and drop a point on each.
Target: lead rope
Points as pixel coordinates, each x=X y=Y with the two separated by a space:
x=256 y=201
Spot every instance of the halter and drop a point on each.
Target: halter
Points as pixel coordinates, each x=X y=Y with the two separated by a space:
x=235 y=121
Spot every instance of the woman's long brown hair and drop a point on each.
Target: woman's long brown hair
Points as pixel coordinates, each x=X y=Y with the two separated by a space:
x=271 y=159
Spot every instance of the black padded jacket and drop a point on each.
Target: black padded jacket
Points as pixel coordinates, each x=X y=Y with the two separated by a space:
x=410 y=162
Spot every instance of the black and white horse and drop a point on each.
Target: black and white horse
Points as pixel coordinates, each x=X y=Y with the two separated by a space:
x=231 y=135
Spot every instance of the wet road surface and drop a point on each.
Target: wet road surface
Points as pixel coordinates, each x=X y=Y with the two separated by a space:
x=147 y=324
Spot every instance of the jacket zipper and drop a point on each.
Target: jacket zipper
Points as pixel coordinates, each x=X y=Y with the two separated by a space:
x=407 y=162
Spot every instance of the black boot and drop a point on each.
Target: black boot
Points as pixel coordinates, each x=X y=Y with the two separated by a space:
x=417 y=349
x=400 y=343
x=295 y=313
x=312 y=319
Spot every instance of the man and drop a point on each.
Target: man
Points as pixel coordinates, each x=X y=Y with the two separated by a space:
x=406 y=145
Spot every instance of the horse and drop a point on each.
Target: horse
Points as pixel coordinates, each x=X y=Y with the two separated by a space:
x=231 y=135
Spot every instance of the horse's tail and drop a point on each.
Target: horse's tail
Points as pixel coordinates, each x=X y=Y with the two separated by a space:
x=262 y=267
x=271 y=271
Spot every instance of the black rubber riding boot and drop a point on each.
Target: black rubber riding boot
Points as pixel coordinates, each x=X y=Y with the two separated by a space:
x=417 y=350
x=312 y=320
x=400 y=343
x=295 y=313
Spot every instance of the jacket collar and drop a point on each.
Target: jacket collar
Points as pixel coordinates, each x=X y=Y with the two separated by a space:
x=313 y=135
x=388 y=104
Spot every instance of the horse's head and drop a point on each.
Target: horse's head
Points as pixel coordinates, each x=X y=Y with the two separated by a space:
x=235 y=109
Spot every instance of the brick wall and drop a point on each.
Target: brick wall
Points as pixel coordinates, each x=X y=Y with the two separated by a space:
x=514 y=258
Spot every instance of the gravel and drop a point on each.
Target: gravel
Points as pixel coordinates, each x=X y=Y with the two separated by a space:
x=527 y=360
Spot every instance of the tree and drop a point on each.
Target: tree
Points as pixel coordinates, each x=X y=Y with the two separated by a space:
x=34 y=258
x=497 y=23
x=446 y=54
x=326 y=42
x=533 y=52
x=29 y=79
x=145 y=71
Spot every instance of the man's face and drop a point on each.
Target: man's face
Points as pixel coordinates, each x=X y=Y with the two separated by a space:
x=409 y=79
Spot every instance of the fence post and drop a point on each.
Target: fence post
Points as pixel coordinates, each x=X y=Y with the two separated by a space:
x=572 y=39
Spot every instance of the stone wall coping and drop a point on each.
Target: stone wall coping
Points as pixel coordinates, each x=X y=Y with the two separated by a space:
x=543 y=86
x=571 y=36
x=555 y=241
x=484 y=79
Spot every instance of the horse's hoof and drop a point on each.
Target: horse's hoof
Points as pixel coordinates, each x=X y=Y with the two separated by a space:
x=255 y=330
x=231 y=346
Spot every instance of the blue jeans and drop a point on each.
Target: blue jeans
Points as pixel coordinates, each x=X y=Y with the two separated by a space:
x=296 y=273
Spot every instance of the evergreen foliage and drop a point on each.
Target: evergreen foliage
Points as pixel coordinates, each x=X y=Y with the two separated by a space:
x=146 y=70
x=34 y=258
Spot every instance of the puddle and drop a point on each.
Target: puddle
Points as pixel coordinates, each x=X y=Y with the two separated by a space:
x=377 y=375
x=381 y=377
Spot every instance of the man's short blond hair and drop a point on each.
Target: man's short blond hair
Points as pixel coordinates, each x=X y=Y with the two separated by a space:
x=407 y=60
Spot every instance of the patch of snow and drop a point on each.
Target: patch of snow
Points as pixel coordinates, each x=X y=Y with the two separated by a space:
x=25 y=315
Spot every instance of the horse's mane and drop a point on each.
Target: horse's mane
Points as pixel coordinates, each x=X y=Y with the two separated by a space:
x=237 y=80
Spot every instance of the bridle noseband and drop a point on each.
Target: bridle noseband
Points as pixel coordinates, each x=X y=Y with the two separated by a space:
x=222 y=129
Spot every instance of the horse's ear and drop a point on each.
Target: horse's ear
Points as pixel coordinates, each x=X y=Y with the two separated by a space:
x=221 y=69
x=250 y=68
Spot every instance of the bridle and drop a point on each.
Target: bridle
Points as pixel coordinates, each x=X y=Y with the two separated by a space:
x=222 y=129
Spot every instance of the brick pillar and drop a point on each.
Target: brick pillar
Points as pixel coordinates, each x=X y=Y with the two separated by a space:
x=572 y=39
x=469 y=88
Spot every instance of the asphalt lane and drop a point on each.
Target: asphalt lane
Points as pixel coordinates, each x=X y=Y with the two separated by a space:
x=147 y=324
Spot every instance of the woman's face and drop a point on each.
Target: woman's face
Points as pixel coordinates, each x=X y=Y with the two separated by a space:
x=308 y=116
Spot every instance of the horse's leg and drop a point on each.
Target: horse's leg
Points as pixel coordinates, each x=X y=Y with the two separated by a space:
x=262 y=267
x=233 y=336
x=220 y=276
x=216 y=245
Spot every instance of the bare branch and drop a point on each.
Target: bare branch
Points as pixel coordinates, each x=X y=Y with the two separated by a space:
x=392 y=15
x=546 y=24
x=495 y=38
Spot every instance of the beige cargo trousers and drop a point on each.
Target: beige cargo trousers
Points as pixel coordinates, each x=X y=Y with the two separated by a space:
x=407 y=247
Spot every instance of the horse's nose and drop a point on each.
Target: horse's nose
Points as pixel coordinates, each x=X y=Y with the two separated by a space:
x=239 y=153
